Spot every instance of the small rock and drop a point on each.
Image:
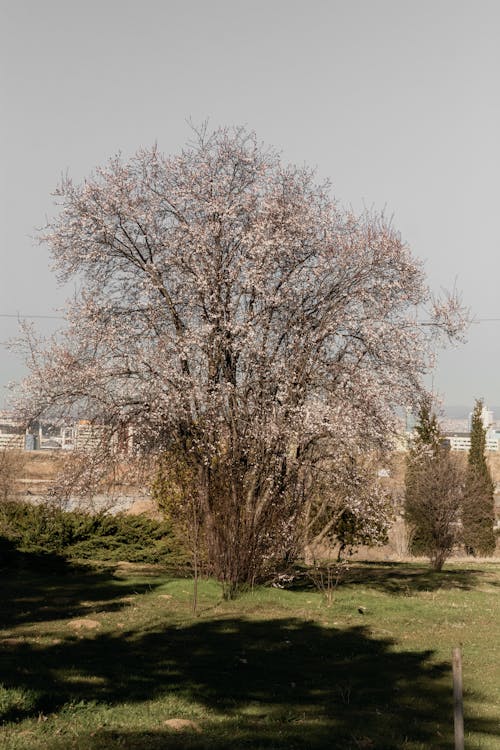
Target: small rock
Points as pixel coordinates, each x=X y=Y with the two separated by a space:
x=84 y=623
x=180 y=725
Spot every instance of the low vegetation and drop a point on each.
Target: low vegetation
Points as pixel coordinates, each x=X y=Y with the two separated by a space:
x=100 y=648
x=49 y=530
x=99 y=656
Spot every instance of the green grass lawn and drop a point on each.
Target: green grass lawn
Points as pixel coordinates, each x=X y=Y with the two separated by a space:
x=102 y=657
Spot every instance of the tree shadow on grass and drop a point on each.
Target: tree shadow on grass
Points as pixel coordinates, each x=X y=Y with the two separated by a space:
x=400 y=579
x=40 y=587
x=280 y=683
x=275 y=683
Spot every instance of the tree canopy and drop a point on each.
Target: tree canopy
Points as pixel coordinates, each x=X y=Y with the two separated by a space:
x=230 y=305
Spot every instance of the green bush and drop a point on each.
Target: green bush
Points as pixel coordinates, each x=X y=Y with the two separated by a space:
x=41 y=528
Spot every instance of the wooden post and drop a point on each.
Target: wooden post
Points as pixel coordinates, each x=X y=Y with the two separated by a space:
x=458 y=705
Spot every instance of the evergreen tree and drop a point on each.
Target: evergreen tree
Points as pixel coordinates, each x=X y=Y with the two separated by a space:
x=434 y=487
x=428 y=433
x=478 y=512
x=425 y=443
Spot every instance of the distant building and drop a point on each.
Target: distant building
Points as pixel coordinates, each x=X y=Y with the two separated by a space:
x=67 y=438
x=86 y=435
x=80 y=435
x=30 y=442
x=460 y=441
x=492 y=439
x=457 y=432
x=11 y=432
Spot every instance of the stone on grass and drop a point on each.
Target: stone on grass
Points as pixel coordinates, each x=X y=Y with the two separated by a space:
x=181 y=725
x=84 y=623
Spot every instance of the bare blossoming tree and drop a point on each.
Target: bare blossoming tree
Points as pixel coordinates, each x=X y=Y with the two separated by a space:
x=229 y=306
x=345 y=504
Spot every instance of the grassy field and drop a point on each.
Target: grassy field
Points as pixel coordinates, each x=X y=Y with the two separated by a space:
x=111 y=657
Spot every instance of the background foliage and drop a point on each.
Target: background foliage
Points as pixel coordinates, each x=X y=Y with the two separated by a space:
x=44 y=529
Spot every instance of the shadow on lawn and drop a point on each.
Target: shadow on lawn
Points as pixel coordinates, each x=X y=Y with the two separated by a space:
x=270 y=684
x=404 y=579
x=40 y=587
x=400 y=579
x=278 y=683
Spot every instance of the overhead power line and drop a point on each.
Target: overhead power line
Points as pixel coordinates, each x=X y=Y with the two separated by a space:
x=21 y=315
x=61 y=317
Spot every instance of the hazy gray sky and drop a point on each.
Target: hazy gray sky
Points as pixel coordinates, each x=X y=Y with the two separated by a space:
x=396 y=101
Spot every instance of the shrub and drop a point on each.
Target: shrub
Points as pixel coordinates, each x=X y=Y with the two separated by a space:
x=41 y=528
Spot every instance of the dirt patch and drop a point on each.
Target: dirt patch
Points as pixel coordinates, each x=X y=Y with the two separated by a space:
x=181 y=725
x=84 y=623
x=124 y=568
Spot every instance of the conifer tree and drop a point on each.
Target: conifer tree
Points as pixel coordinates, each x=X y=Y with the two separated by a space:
x=478 y=509
x=433 y=491
x=428 y=433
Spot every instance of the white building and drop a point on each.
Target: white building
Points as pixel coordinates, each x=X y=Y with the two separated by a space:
x=460 y=441
x=87 y=436
x=11 y=432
